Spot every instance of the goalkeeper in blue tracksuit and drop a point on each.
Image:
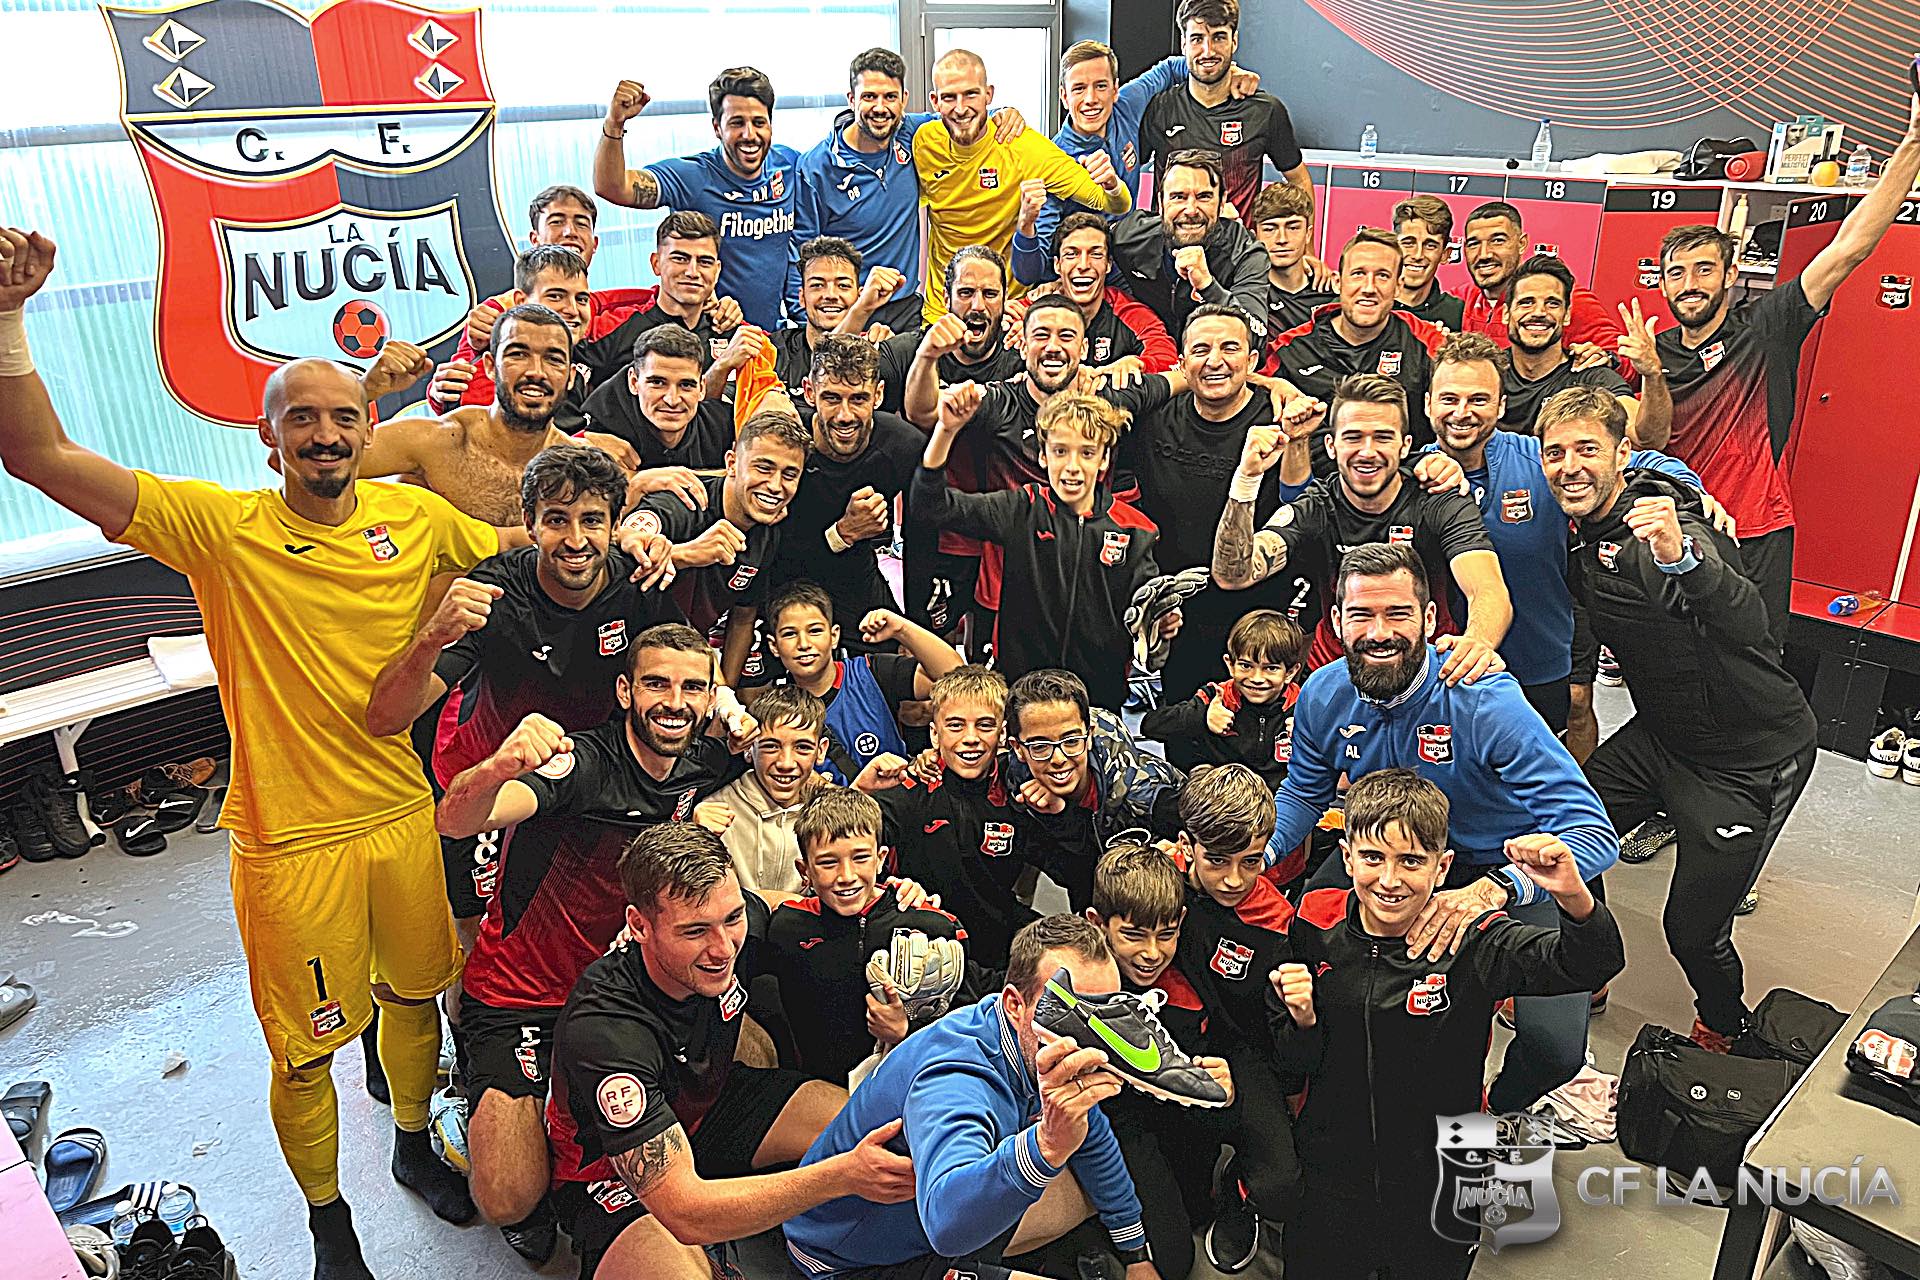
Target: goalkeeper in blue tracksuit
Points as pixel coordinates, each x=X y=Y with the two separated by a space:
x=1503 y=771
x=967 y=1090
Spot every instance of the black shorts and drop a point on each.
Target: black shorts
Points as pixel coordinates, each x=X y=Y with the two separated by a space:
x=510 y=1050
x=723 y=1147
x=472 y=866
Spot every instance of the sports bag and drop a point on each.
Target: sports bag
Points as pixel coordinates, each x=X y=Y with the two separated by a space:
x=1683 y=1108
x=1791 y=1027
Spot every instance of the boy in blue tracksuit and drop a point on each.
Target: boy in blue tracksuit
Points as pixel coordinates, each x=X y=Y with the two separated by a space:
x=967 y=1090
x=1504 y=772
x=1526 y=526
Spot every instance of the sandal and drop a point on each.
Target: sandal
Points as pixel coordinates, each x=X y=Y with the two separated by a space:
x=16 y=998
x=177 y=811
x=139 y=835
x=73 y=1163
x=25 y=1107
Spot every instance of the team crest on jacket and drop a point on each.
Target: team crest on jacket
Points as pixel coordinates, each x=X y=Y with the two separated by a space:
x=1400 y=533
x=1428 y=996
x=1436 y=743
x=1129 y=156
x=380 y=542
x=1113 y=547
x=1231 y=132
x=1389 y=363
x=1283 y=749
x=742 y=578
x=989 y=179
x=1609 y=555
x=1102 y=348
x=613 y=637
x=1230 y=959
x=333 y=176
x=996 y=840
x=733 y=1001
x=1711 y=355
x=683 y=807
x=1516 y=506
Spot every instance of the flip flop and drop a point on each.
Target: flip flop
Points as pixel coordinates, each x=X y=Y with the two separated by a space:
x=24 y=1106
x=99 y=1211
x=177 y=811
x=138 y=835
x=209 y=820
x=73 y=1163
x=15 y=999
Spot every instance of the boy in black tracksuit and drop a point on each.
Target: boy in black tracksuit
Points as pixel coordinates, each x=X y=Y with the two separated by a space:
x=820 y=944
x=1390 y=1040
x=1234 y=934
x=1139 y=902
x=1248 y=717
x=1075 y=554
x=1722 y=738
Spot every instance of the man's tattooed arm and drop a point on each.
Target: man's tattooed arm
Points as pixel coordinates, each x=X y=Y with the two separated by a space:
x=643 y=1167
x=1242 y=557
x=643 y=189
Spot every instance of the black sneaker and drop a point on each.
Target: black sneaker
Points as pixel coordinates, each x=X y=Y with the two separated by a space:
x=1646 y=840
x=149 y=1253
x=202 y=1254
x=9 y=845
x=1233 y=1239
x=58 y=807
x=30 y=831
x=1127 y=1028
x=536 y=1236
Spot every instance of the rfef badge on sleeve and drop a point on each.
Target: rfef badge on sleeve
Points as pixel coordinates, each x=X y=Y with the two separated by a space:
x=320 y=187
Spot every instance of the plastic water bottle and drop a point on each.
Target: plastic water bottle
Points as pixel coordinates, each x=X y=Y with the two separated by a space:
x=1543 y=145
x=124 y=1221
x=1369 y=143
x=1860 y=166
x=176 y=1207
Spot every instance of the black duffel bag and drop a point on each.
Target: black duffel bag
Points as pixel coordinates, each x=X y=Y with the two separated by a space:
x=1683 y=1108
x=1791 y=1027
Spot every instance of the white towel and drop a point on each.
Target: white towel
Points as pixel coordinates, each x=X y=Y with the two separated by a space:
x=183 y=661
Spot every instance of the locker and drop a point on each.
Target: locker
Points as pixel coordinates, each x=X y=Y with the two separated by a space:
x=1463 y=193
x=1359 y=197
x=1561 y=216
x=1627 y=257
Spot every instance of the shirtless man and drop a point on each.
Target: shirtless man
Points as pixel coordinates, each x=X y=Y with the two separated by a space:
x=473 y=456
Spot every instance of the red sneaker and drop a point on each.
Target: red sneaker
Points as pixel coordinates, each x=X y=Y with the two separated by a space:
x=1709 y=1039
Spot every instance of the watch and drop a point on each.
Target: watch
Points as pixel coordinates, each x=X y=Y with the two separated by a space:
x=1135 y=1256
x=1689 y=557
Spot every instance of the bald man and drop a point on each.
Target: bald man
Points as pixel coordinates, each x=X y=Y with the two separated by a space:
x=307 y=591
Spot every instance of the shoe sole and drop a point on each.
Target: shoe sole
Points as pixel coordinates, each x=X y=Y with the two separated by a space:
x=1232 y=1268
x=1910 y=776
x=1152 y=1091
x=1888 y=769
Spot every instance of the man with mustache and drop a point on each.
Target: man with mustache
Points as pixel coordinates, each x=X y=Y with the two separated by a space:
x=972 y=183
x=1493 y=245
x=474 y=457
x=1505 y=775
x=863 y=459
x=1722 y=738
x=1363 y=333
x=1375 y=498
x=745 y=185
x=1245 y=132
x=1187 y=254
x=1424 y=225
x=564 y=216
x=859 y=184
x=569 y=801
x=1732 y=369
x=1537 y=310
x=306 y=590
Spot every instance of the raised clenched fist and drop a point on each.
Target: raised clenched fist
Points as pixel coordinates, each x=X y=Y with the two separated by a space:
x=630 y=98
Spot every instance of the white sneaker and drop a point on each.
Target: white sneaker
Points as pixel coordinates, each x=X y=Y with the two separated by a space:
x=447 y=1130
x=1883 y=753
x=1910 y=762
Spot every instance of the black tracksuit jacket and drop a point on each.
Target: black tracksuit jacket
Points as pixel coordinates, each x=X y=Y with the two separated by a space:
x=1692 y=646
x=1402 y=1039
x=819 y=958
x=1259 y=737
x=1068 y=579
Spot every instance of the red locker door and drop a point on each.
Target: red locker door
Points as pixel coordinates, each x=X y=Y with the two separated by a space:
x=1358 y=197
x=1854 y=467
x=1319 y=173
x=1627 y=260
x=1562 y=216
x=1463 y=193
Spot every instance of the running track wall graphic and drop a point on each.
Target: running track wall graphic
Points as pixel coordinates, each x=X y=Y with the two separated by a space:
x=1473 y=76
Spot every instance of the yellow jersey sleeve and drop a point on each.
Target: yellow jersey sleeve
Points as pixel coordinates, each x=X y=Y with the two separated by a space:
x=182 y=523
x=1041 y=158
x=459 y=541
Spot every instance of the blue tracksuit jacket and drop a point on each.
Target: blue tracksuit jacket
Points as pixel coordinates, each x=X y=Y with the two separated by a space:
x=1033 y=258
x=873 y=201
x=1504 y=772
x=969 y=1103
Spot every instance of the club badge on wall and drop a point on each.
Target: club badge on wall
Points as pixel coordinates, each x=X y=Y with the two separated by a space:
x=320 y=186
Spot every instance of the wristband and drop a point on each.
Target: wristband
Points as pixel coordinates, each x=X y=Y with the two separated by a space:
x=613 y=137
x=836 y=541
x=1245 y=488
x=15 y=361
x=1135 y=1256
